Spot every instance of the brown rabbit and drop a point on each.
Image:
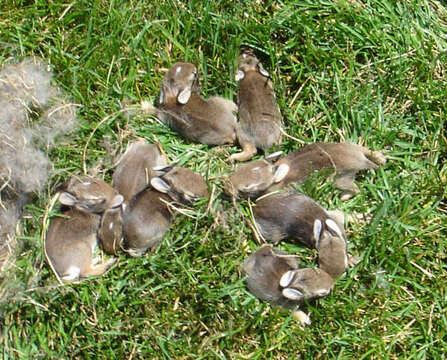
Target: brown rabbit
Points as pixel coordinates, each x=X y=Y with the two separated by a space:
x=332 y=250
x=181 y=107
x=259 y=123
x=253 y=179
x=110 y=232
x=89 y=194
x=290 y=215
x=274 y=276
x=345 y=158
x=133 y=172
x=134 y=168
x=148 y=217
x=71 y=238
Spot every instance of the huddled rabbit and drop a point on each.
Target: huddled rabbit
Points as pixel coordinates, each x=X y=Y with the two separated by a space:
x=148 y=217
x=346 y=159
x=207 y=121
x=274 y=276
x=72 y=237
x=295 y=216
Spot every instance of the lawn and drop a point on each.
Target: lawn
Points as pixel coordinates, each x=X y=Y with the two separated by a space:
x=372 y=72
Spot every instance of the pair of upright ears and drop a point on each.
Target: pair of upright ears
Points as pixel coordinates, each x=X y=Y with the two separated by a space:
x=241 y=73
x=332 y=226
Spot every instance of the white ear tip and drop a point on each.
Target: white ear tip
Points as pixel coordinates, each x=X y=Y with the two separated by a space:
x=281 y=172
x=292 y=294
x=331 y=224
x=322 y=292
x=159 y=185
x=239 y=75
x=67 y=199
x=161 y=98
x=160 y=167
x=286 y=279
x=117 y=201
x=184 y=96
x=317 y=230
x=264 y=72
x=274 y=155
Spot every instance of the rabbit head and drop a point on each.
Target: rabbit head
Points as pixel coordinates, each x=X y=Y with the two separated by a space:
x=179 y=83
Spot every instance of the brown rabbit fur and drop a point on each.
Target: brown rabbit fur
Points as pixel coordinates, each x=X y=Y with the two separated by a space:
x=71 y=238
x=134 y=168
x=181 y=107
x=274 y=276
x=259 y=123
x=345 y=158
x=290 y=215
x=149 y=218
x=251 y=180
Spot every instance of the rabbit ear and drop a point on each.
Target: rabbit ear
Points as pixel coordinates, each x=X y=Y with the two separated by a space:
x=117 y=201
x=67 y=199
x=164 y=168
x=322 y=292
x=159 y=185
x=286 y=279
x=274 y=156
x=292 y=294
x=317 y=231
x=184 y=95
x=161 y=98
x=262 y=71
x=280 y=173
x=239 y=75
x=332 y=225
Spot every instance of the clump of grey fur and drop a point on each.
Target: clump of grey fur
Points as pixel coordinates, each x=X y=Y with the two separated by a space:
x=33 y=114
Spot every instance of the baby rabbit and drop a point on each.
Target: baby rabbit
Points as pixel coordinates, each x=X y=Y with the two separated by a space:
x=89 y=194
x=253 y=179
x=110 y=232
x=259 y=123
x=146 y=221
x=274 y=276
x=134 y=168
x=149 y=218
x=71 y=239
x=332 y=251
x=345 y=158
x=206 y=121
x=291 y=215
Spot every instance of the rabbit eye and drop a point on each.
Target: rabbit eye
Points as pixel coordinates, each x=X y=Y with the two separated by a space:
x=189 y=196
x=91 y=203
x=249 y=187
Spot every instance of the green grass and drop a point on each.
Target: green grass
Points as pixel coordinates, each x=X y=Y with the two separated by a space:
x=372 y=72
